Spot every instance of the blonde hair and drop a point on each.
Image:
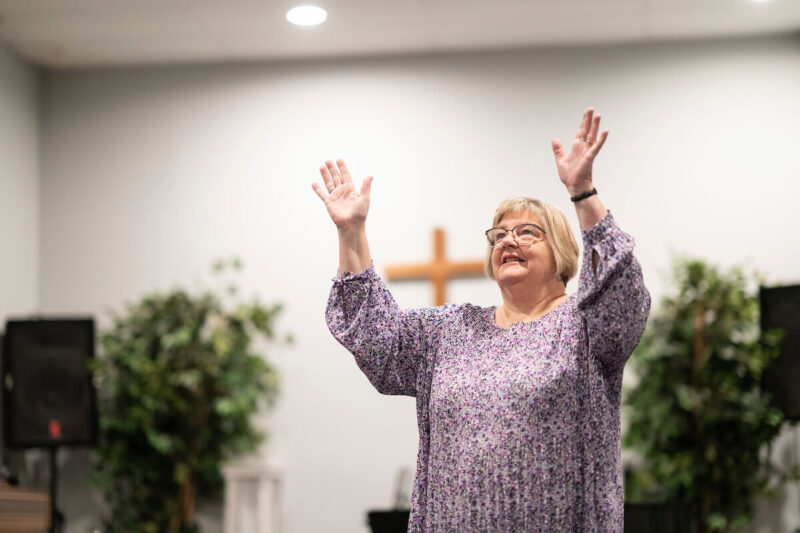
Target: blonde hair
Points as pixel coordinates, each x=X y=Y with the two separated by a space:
x=559 y=235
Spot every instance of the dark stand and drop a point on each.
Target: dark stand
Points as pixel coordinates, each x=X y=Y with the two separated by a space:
x=395 y=521
x=795 y=447
x=56 y=518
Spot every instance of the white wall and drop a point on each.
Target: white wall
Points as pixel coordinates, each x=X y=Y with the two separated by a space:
x=19 y=187
x=150 y=174
x=19 y=197
x=19 y=191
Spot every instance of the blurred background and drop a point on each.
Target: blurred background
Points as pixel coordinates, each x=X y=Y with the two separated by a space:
x=142 y=140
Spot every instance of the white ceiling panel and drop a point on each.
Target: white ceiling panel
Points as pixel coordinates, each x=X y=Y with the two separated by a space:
x=85 y=33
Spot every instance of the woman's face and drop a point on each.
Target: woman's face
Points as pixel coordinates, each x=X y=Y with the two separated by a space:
x=513 y=263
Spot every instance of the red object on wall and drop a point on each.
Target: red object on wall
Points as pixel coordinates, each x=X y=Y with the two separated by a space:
x=54 y=429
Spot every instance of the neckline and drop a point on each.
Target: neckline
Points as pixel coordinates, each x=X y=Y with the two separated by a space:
x=493 y=311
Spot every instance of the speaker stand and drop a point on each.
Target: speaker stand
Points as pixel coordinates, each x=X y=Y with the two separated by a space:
x=795 y=447
x=56 y=517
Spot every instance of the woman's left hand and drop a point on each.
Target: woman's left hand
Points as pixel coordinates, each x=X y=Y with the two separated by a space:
x=575 y=168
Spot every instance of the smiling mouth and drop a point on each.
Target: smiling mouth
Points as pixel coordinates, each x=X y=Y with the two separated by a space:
x=512 y=260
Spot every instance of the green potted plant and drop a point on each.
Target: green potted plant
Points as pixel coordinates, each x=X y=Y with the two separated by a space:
x=698 y=417
x=179 y=381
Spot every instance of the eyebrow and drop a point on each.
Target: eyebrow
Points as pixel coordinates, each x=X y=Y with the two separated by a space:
x=520 y=224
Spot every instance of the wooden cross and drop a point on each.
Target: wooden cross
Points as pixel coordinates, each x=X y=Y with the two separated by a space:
x=439 y=271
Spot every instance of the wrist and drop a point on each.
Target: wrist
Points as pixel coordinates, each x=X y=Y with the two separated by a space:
x=580 y=189
x=590 y=211
x=580 y=197
x=352 y=232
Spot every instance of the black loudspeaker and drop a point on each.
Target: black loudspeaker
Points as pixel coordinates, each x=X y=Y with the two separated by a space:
x=780 y=308
x=48 y=395
x=388 y=521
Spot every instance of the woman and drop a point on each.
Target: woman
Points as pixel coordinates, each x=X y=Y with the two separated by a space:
x=518 y=406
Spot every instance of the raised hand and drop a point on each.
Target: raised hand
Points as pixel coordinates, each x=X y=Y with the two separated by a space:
x=575 y=168
x=347 y=207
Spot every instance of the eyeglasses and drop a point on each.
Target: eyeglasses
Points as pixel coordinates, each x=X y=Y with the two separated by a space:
x=522 y=233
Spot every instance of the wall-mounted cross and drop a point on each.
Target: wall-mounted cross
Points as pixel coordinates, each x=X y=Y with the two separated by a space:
x=438 y=271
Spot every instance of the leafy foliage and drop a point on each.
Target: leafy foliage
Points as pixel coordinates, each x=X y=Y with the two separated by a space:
x=179 y=383
x=698 y=416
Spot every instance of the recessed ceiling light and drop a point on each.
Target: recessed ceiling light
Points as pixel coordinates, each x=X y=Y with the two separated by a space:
x=306 y=15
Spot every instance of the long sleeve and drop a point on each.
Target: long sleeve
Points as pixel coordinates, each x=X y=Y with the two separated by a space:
x=393 y=347
x=612 y=298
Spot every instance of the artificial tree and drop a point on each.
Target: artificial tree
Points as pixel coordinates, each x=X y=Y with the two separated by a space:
x=179 y=383
x=698 y=417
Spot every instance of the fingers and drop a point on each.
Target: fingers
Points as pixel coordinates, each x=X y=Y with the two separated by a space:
x=343 y=170
x=599 y=144
x=592 y=137
x=558 y=149
x=334 y=173
x=366 y=186
x=586 y=122
x=327 y=179
x=320 y=192
x=590 y=125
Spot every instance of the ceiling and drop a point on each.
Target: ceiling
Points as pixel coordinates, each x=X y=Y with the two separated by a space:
x=91 y=33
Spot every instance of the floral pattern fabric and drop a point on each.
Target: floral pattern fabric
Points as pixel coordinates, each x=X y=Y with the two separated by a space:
x=519 y=428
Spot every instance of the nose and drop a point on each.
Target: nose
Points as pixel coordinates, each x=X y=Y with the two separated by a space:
x=507 y=239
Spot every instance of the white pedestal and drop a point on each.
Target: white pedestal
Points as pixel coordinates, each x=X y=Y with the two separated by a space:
x=252 y=499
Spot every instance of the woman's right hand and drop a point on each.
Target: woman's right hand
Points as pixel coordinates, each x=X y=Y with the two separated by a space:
x=346 y=206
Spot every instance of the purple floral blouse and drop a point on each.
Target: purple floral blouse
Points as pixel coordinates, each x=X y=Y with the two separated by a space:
x=519 y=428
